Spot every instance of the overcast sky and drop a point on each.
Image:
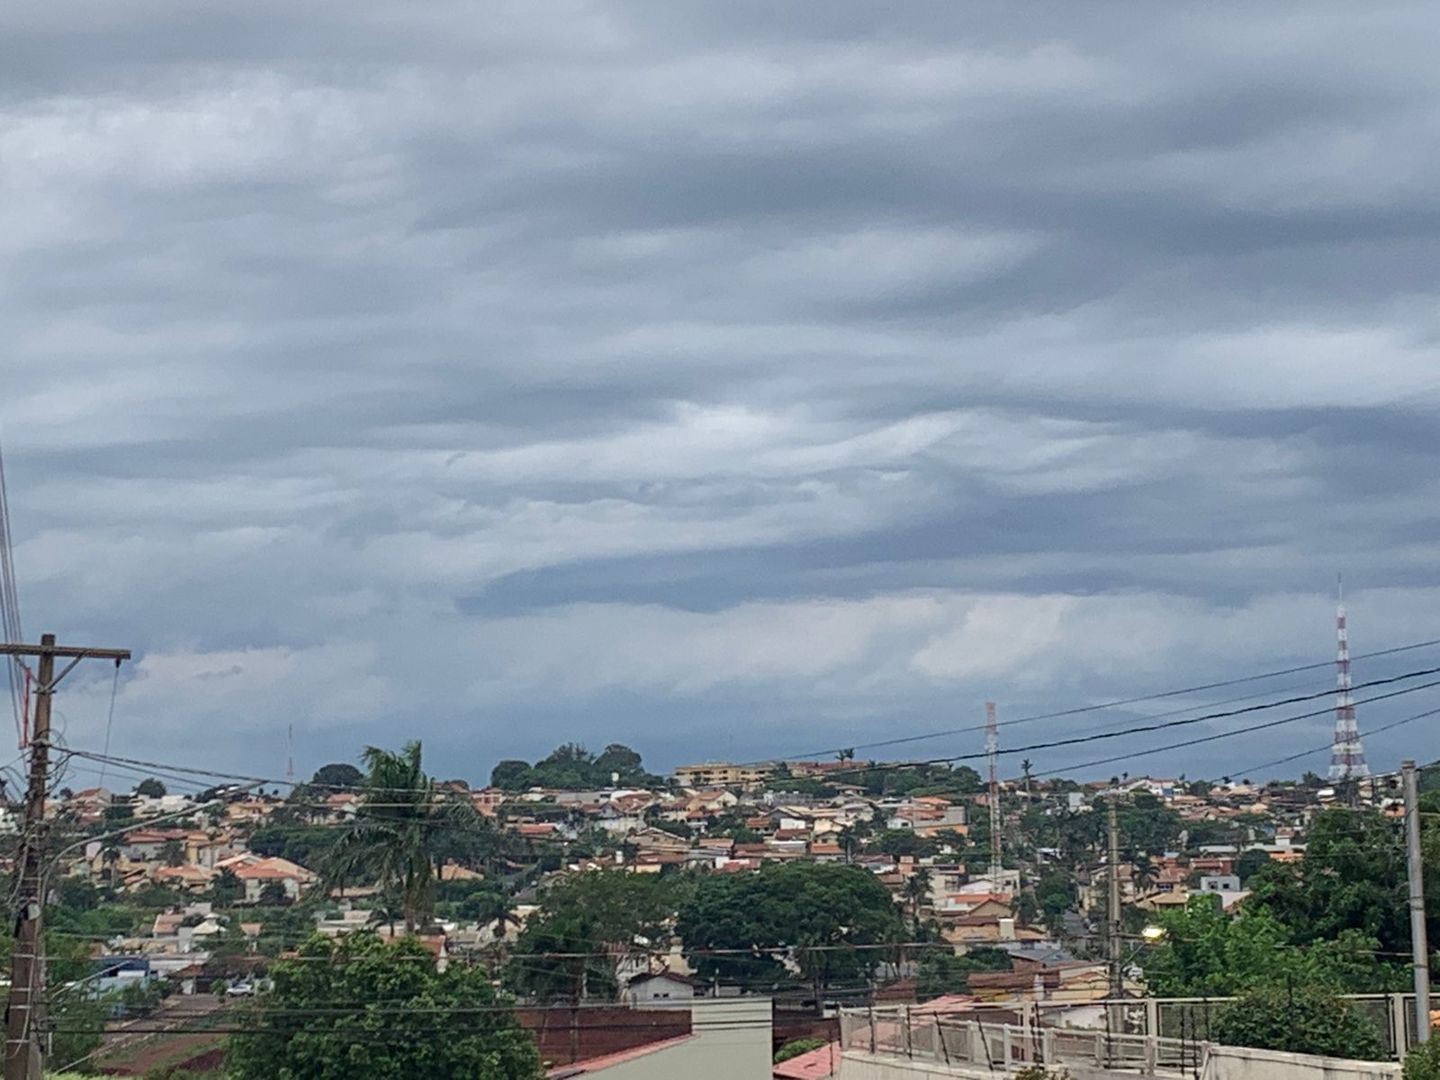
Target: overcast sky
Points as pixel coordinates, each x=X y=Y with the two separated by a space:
x=727 y=379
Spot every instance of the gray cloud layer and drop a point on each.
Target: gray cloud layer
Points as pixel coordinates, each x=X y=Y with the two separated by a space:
x=728 y=379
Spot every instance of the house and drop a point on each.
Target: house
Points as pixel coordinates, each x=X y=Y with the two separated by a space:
x=657 y=840
x=661 y=990
x=249 y=811
x=487 y=800
x=145 y=845
x=255 y=873
x=186 y=878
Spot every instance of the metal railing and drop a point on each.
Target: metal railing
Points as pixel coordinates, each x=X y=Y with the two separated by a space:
x=896 y=1031
x=1145 y=1036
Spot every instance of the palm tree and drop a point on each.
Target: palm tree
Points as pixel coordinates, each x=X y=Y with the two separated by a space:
x=401 y=822
x=110 y=856
x=1025 y=768
x=917 y=888
x=1146 y=872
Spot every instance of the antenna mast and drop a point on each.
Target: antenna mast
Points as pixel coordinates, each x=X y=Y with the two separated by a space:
x=992 y=753
x=1347 y=755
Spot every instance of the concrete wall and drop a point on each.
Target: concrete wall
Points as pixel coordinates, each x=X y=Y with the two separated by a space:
x=731 y=1042
x=1244 y=1063
x=1223 y=1063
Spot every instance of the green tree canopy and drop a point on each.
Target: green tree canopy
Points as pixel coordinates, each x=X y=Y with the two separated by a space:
x=606 y=914
x=1351 y=878
x=1207 y=953
x=512 y=775
x=338 y=774
x=573 y=768
x=789 y=907
x=151 y=789
x=358 y=1006
x=1301 y=1018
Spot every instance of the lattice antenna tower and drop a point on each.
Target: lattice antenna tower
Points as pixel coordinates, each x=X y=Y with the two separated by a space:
x=290 y=752
x=992 y=754
x=1347 y=755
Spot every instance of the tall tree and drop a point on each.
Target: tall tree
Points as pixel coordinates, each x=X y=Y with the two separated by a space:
x=806 y=913
x=401 y=823
x=358 y=1006
x=337 y=775
x=595 y=921
x=917 y=891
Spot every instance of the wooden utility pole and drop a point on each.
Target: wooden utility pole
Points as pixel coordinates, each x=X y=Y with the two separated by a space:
x=24 y=1010
x=1117 y=971
x=1419 y=946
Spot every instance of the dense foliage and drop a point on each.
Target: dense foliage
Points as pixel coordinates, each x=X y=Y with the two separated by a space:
x=1300 y=1018
x=787 y=908
x=942 y=972
x=1423 y=1061
x=358 y=1006
x=1351 y=878
x=605 y=915
x=1208 y=953
x=573 y=768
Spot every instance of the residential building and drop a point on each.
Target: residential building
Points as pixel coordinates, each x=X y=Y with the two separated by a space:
x=723 y=774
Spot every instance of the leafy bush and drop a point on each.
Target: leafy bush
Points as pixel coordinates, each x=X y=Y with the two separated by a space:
x=1301 y=1019
x=796 y=1047
x=1423 y=1062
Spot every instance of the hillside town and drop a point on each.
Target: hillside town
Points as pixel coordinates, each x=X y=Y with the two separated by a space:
x=197 y=895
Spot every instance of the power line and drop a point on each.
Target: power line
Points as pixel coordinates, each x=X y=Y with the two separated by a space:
x=1141 y=729
x=1369 y=732
x=1230 y=734
x=1119 y=702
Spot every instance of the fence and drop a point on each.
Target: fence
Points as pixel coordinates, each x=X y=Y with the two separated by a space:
x=1146 y=1036
x=900 y=1032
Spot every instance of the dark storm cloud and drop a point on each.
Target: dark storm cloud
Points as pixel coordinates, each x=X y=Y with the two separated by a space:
x=726 y=378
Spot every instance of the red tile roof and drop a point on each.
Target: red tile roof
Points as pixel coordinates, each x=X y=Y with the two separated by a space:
x=814 y=1064
x=598 y=1064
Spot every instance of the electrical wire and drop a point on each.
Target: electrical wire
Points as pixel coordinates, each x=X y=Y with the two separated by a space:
x=10 y=628
x=1030 y=748
x=1230 y=734
x=1370 y=732
x=1139 y=729
x=1115 y=704
x=110 y=718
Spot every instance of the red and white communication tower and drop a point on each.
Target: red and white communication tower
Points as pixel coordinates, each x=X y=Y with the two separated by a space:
x=992 y=752
x=1347 y=755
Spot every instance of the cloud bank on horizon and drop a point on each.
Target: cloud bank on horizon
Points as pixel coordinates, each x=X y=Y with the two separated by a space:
x=724 y=379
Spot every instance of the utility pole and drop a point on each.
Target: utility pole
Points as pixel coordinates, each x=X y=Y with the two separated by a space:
x=24 y=1012
x=1112 y=827
x=1419 y=946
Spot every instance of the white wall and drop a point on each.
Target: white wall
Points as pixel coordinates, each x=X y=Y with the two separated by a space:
x=1244 y=1063
x=731 y=1041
